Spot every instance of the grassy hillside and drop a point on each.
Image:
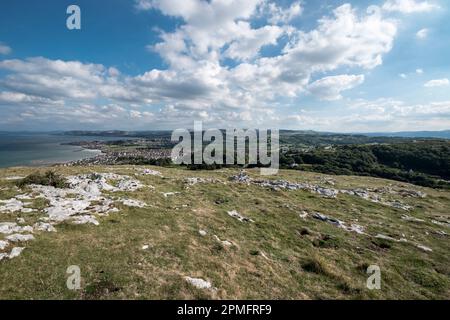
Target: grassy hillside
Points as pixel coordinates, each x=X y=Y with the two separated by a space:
x=282 y=253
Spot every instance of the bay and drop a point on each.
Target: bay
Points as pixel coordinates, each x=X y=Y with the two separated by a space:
x=40 y=149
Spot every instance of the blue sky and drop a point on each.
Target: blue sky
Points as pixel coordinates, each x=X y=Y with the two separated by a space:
x=349 y=66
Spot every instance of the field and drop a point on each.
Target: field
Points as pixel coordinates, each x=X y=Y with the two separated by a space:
x=282 y=251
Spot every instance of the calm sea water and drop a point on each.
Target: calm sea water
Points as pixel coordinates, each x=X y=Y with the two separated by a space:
x=38 y=149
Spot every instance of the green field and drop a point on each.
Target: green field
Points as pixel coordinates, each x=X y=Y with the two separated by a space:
x=277 y=255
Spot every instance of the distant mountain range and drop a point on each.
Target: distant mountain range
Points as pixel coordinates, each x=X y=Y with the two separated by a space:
x=404 y=134
x=412 y=134
x=445 y=134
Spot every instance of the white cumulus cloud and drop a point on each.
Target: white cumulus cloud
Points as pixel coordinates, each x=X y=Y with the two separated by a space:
x=4 y=49
x=409 y=6
x=330 y=88
x=199 y=81
x=437 y=83
x=422 y=33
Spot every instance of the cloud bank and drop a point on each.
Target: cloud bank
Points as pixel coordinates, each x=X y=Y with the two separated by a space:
x=217 y=70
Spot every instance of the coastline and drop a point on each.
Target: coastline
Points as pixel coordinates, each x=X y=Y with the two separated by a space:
x=38 y=150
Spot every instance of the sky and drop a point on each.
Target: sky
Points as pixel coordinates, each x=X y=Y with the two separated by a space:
x=342 y=66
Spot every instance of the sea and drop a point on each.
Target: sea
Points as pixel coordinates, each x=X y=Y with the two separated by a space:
x=41 y=149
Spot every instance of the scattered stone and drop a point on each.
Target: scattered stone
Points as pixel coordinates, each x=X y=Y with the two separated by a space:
x=85 y=219
x=412 y=193
x=43 y=226
x=441 y=223
x=264 y=256
x=200 y=283
x=362 y=193
x=150 y=172
x=440 y=233
x=322 y=217
x=93 y=183
x=286 y=185
x=83 y=191
x=424 y=248
x=328 y=193
x=384 y=237
x=20 y=220
x=12 y=227
x=17 y=237
x=367 y=194
x=13 y=178
x=356 y=228
x=168 y=194
x=398 y=205
x=133 y=203
x=340 y=224
x=13 y=205
x=15 y=252
x=223 y=242
x=3 y=244
x=303 y=214
x=24 y=197
x=202 y=232
x=411 y=219
x=238 y=216
x=242 y=177
x=145 y=247
x=195 y=180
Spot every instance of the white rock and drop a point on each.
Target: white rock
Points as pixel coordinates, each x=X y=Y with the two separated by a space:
x=43 y=226
x=145 y=247
x=20 y=220
x=85 y=219
x=238 y=216
x=3 y=244
x=223 y=242
x=384 y=237
x=303 y=214
x=13 y=205
x=356 y=228
x=441 y=223
x=13 y=178
x=411 y=219
x=133 y=203
x=17 y=237
x=15 y=252
x=12 y=227
x=167 y=194
x=326 y=218
x=200 y=283
x=195 y=180
x=24 y=197
x=150 y=172
x=424 y=248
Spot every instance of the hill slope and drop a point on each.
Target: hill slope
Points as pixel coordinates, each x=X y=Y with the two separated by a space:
x=308 y=236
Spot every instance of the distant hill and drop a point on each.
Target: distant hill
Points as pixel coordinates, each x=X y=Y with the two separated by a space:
x=404 y=134
x=412 y=134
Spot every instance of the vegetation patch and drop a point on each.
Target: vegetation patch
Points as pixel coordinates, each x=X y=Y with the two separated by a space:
x=49 y=178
